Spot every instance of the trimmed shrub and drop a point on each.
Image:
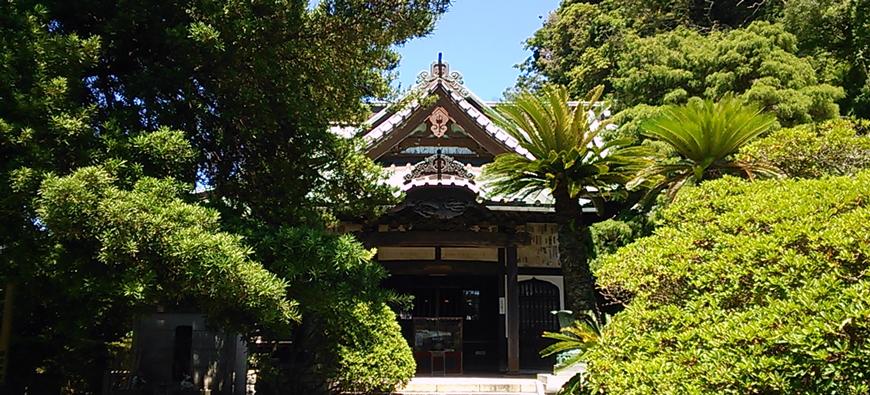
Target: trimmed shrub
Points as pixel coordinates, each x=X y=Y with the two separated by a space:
x=746 y=288
x=838 y=147
x=374 y=356
x=348 y=340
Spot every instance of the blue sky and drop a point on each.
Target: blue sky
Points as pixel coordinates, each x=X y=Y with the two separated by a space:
x=482 y=39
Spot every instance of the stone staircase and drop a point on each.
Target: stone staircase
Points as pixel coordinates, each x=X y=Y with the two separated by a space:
x=472 y=386
x=542 y=384
x=552 y=383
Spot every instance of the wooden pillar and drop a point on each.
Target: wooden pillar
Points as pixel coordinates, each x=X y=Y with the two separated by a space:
x=513 y=310
x=502 y=313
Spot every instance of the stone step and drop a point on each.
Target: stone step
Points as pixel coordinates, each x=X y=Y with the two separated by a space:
x=471 y=386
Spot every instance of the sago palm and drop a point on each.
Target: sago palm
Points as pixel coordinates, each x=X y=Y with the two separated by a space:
x=568 y=162
x=705 y=135
x=571 y=342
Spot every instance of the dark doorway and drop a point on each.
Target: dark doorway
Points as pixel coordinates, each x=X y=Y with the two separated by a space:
x=472 y=299
x=181 y=353
x=537 y=299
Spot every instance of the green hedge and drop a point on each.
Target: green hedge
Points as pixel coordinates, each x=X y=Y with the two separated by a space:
x=837 y=147
x=746 y=288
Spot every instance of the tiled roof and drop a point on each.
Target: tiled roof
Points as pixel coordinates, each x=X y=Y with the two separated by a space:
x=464 y=99
x=396 y=177
x=387 y=121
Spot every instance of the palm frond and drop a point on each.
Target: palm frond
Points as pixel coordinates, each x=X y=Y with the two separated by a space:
x=573 y=385
x=705 y=135
x=701 y=130
x=580 y=335
x=563 y=143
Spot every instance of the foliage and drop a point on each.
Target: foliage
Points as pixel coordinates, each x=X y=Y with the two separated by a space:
x=757 y=62
x=376 y=358
x=838 y=33
x=574 y=340
x=151 y=258
x=580 y=335
x=754 y=287
x=91 y=246
x=562 y=142
x=566 y=160
x=840 y=147
x=113 y=110
x=350 y=185
x=348 y=339
x=576 y=48
x=654 y=53
x=613 y=233
x=253 y=84
x=580 y=42
x=705 y=135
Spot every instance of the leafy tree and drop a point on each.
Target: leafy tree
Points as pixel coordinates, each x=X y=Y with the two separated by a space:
x=580 y=43
x=705 y=135
x=838 y=33
x=109 y=107
x=754 y=287
x=91 y=246
x=610 y=234
x=253 y=84
x=567 y=161
x=758 y=63
x=88 y=247
x=649 y=54
x=838 y=147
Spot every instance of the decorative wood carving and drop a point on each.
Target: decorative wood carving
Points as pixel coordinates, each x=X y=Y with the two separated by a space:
x=440 y=71
x=445 y=209
x=439 y=165
x=438 y=121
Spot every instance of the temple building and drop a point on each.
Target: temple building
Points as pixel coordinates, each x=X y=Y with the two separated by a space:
x=484 y=270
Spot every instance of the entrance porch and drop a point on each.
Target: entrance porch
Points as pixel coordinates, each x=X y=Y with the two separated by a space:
x=485 y=278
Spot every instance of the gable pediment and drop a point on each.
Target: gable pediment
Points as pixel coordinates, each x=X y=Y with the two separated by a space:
x=452 y=121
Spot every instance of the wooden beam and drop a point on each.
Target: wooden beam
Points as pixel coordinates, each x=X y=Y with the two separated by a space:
x=433 y=141
x=436 y=239
x=513 y=310
x=396 y=136
x=423 y=268
x=488 y=142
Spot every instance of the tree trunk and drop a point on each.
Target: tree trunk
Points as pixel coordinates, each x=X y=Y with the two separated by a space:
x=575 y=241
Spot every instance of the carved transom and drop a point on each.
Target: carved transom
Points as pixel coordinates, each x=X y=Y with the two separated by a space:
x=439 y=164
x=438 y=120
x=440 y=209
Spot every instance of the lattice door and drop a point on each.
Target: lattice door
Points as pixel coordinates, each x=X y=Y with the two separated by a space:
x=537 y=299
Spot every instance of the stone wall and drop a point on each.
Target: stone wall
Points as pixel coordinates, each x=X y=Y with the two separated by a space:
x=217 y=362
